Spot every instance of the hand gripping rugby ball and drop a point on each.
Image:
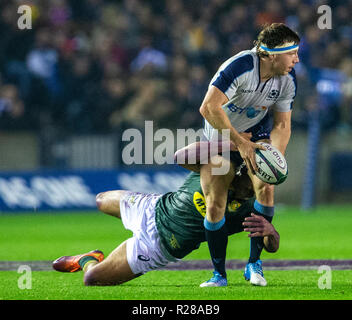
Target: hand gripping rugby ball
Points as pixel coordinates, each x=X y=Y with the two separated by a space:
x=272 y=165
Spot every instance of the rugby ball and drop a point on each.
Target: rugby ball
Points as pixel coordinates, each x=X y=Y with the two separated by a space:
x=272 y=165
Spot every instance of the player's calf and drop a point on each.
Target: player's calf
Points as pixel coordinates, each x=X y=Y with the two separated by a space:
x=114 y=270
x=264 y=192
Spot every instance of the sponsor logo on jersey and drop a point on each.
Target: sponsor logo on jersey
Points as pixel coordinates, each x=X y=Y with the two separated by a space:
x=173 y=242
x=251 y=112
x=132 y=200
x=246 y=90
x=233 y=206
x=143 y=258
x=273 y=95
x=199 y=203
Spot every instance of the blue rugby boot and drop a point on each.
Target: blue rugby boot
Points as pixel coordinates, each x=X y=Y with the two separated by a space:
x=216 y=281
x=254 y=274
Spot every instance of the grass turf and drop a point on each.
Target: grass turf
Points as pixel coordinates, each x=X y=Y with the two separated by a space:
x=320 y=234
x=179 y=285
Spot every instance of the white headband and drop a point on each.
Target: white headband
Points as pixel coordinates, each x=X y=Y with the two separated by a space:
x=286 y=47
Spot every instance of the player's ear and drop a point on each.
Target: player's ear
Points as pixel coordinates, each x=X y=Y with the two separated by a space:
x=272 y=57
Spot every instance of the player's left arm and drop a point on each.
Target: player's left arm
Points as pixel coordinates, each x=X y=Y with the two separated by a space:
x=281 y=132
x=258 y=226
x=279 y=136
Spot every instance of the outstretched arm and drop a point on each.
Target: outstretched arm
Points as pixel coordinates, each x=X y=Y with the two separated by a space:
x=198 y=153
x=258 y=226
x=194 y=155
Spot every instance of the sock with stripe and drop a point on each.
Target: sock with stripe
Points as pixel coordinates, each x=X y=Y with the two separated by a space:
x=257 y=243
x=217 y=237
x=85 y=261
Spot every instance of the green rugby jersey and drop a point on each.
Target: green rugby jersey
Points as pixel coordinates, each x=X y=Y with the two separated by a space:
x=180 y=216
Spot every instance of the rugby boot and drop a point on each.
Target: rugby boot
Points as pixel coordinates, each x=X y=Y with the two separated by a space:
x=216 y=281
x=254 y=274
x=71 y=263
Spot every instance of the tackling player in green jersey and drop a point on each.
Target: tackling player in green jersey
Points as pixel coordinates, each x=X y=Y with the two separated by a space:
x=165 y=228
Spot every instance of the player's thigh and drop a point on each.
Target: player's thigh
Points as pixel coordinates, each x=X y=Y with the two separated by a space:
x=213 y=180
x=215 y=187
x=109 y=202
x=111 y=271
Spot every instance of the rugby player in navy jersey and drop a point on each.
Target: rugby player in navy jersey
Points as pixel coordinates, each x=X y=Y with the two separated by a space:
x=252 y=92
x=165 y=229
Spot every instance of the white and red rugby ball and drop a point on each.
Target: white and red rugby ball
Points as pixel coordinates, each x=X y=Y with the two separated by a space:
x=272 y=165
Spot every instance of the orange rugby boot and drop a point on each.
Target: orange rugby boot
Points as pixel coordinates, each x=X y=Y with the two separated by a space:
x=71 y=263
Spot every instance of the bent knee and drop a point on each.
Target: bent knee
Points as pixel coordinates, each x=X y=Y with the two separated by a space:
x=215 y=212
x=99 y=199
x=109 y=202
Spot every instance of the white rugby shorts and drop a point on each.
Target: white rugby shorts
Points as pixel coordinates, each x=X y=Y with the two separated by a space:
x=144 y=249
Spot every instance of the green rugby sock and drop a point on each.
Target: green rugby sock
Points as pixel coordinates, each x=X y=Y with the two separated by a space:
x=85 y=259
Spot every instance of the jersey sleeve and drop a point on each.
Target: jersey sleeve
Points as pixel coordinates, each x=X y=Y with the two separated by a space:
x=232 y=73
x=285 y=101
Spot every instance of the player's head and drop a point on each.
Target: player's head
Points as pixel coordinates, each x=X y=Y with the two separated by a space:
x=278 y=44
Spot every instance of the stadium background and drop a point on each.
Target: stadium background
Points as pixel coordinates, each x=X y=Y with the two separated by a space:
x=88 y=70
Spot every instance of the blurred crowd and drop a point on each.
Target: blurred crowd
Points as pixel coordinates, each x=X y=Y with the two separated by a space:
x=97 y=66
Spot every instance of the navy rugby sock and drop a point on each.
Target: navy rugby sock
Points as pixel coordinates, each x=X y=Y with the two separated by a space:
x=217 y=236
x=257 y=243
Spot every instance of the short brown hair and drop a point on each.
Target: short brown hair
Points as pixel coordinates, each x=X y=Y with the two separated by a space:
x=273 y=35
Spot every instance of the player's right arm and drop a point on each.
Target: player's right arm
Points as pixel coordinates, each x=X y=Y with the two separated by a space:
x=211 y=110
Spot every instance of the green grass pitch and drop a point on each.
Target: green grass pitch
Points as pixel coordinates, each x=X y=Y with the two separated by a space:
x=324 y=233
